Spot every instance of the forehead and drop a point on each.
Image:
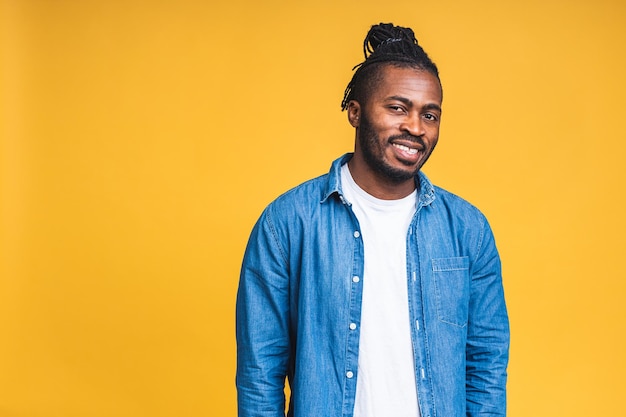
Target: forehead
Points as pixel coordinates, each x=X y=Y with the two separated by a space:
x=411 y=83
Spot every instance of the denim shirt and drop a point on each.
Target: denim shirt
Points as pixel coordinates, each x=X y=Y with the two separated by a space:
x=299 y=306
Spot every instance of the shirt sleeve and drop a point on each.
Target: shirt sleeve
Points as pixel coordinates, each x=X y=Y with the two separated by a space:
x=487 y=349
x=262 y=324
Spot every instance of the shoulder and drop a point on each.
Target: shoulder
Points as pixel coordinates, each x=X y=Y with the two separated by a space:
x=457 y=208
x=452 y=214
x=450 y=199
x=312 y=193
x=296 y=208
x=306 y=195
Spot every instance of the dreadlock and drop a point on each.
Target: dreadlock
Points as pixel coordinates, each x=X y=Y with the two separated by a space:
x=385 y=44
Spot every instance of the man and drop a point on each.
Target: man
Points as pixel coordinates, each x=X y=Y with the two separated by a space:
x=374 y=292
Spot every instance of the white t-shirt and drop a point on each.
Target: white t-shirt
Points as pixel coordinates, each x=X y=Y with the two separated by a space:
x=386 y=369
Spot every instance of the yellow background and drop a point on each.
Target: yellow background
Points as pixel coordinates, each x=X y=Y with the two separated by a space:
x=141 y=140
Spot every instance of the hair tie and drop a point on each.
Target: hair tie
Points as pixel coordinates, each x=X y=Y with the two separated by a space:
x=390 y=40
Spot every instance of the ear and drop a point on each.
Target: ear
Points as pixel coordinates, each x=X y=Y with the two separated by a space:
x=354 y=113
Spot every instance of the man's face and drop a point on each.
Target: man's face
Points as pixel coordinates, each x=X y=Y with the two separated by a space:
x=398 y=124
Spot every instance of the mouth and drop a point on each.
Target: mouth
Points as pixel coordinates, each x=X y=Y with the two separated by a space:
x=405 y=149
x=407 y=152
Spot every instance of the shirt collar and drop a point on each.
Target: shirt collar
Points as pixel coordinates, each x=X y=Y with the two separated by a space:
x=425 y=195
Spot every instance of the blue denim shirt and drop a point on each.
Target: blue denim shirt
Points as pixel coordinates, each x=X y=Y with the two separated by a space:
x=301 y=288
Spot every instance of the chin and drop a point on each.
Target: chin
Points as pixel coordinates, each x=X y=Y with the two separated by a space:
x=397 y=175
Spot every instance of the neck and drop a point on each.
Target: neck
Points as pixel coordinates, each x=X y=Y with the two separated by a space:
x=376 y=185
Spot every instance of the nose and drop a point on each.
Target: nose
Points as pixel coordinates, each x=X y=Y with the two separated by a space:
x=413 y=124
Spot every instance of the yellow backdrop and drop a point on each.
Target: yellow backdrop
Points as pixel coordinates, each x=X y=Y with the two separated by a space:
x=141 y=140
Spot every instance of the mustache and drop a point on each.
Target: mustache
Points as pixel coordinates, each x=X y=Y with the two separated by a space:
x=409 y=137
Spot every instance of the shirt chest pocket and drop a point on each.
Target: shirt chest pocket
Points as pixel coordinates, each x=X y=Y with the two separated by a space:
x=451 y=279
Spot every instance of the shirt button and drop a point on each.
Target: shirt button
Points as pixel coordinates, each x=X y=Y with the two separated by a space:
x=349 y=374
x=356 y=233
x=355 y=279
x=352 y=326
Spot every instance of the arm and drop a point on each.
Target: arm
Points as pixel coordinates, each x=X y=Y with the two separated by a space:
x=487 y=349
x=263 y=344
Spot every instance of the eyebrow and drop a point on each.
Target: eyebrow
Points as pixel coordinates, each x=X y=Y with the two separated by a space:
x=429 y=106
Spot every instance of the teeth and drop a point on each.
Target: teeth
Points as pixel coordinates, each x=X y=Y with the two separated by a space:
x=405 y=148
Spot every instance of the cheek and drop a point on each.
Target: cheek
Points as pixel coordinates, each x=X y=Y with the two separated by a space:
x=433 y=141
x=433 y=134
x=382 y=122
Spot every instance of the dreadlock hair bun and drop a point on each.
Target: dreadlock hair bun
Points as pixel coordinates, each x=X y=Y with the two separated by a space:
x=386 y=34
x=385 y=43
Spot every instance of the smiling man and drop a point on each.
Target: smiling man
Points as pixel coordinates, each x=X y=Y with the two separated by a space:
x=372 y=291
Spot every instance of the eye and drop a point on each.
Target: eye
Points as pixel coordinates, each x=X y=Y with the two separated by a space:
x=431 y=117
x=396 y=108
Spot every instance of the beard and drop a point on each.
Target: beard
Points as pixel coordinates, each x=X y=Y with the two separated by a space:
x=373 y=153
